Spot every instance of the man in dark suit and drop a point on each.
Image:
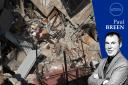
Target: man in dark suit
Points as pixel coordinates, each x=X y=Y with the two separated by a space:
x=114 y=69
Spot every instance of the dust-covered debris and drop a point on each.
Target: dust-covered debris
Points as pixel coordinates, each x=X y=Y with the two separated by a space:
x=48 y=37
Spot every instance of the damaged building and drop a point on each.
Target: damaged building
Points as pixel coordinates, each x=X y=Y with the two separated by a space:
x=47 y=42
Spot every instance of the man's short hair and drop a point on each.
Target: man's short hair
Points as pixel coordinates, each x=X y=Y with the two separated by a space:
x=114 y=33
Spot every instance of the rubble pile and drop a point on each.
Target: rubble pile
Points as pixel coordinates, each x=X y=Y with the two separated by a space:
x=79 y=46
x=47 y=45
x=52 y=40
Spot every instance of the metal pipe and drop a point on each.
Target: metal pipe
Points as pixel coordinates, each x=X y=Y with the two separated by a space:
x=66 y=72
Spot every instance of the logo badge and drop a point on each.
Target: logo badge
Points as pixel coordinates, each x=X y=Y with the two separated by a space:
x=116 y=9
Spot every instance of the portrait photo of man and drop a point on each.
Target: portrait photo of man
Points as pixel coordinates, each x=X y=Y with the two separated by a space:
x=112 y=70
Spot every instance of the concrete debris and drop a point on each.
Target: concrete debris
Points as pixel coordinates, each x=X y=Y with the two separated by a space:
x=32 y=78
x=14 y=81
x=35 y=44
x=7 y=79
x=88 y=40
x=26 y=66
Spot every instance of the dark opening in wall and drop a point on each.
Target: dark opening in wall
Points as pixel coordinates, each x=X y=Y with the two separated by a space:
x=74 y=6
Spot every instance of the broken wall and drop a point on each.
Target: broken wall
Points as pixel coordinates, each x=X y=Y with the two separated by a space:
x=45 y=6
